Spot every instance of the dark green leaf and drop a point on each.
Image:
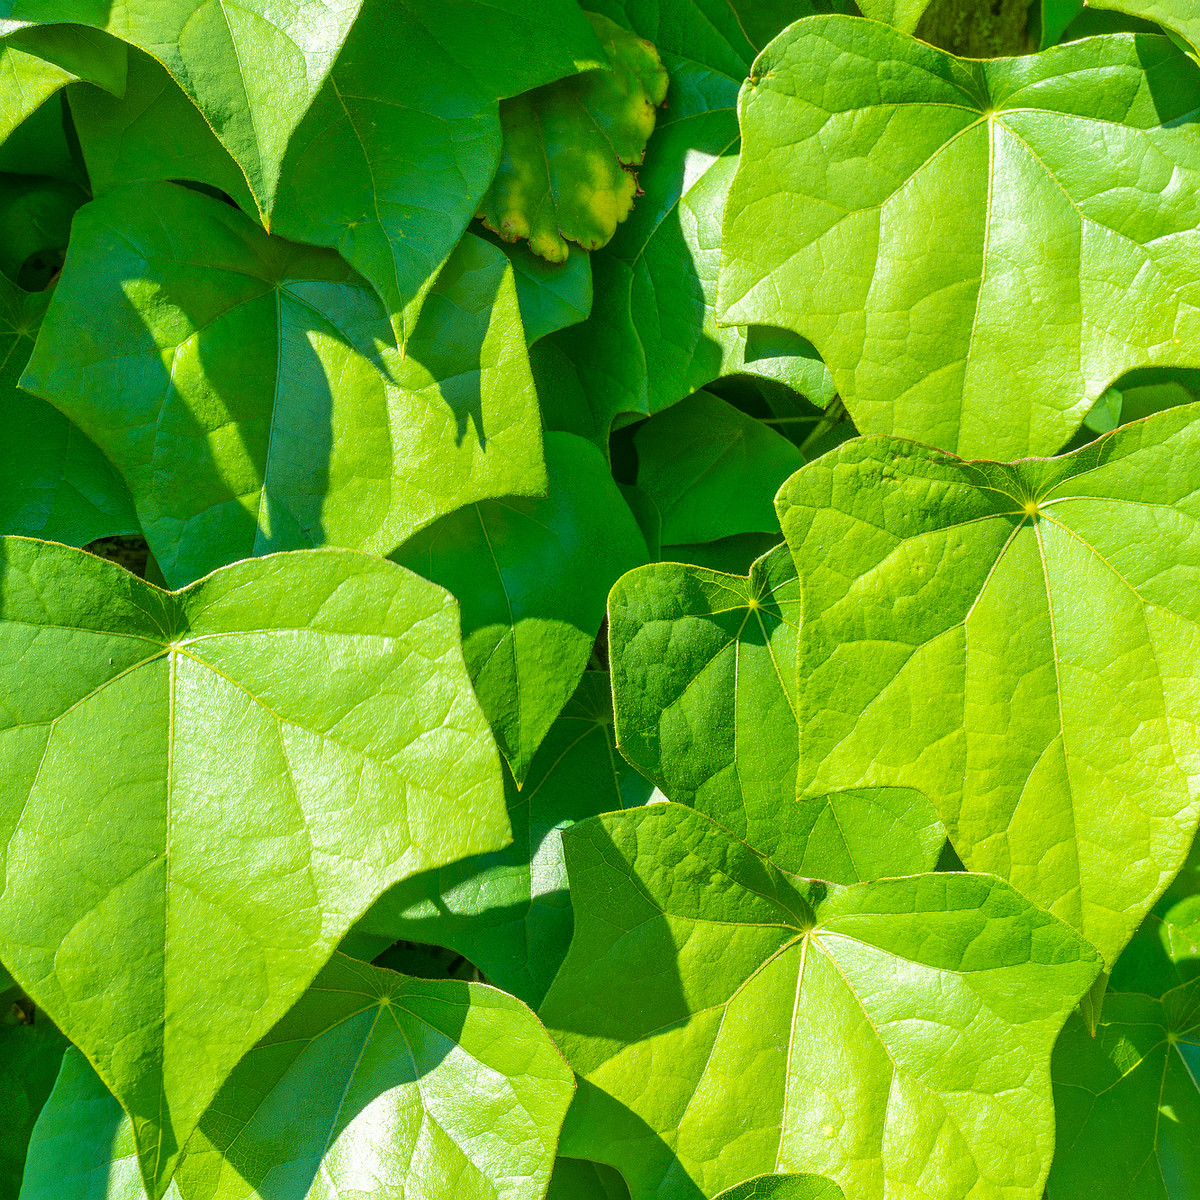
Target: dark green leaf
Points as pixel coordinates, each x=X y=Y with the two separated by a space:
x=784 y=1187
x=211 y=785
x=575 y=1179
x=35 y=215
x=1179 y=16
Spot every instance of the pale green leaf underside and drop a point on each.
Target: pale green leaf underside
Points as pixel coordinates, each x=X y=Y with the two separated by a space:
x=212 y=785
x=977 y=248
x=703 y=668
x=1019 y=643
x=894 y=1037
x=243 y=384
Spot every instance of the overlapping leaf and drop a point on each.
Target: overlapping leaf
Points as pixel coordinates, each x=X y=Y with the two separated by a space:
x=243 y=384
x=532 y=577
x=977 y=248
x=552 y=296
x=402 y=142
x=1128 y=1101
x=784 y=1187
x=704 y=684
x=54 y=482
x=576 y=1179
x=509 y=912
x=893 y=1036
x=1178 y=16
x=212 y=785
x=1019 y=643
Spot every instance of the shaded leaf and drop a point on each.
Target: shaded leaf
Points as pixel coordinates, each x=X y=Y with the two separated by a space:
x=1019 y=643
x=566 y=145
x=576 y=1179
x=711 y=470
x=402 y=142
x=509 y=911
x=892 y=1036
x=1179 y=16
x=950 y=270
x=763 y=20
x=704 y=684
x=243 y=384
x=35 y=214
x=1128 y=1102
x=532 y=577
x=731 y=556
x=290 y=736
x=784 y=1187
x=54 y=482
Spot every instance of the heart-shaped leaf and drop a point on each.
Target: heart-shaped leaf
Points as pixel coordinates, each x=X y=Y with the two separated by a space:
x=532 y=577
x=1019 y=643
x=244 y=387
x=973 y=246
x=703 y=669
x=892 y=1036
x=508 y=912
x=212 y=785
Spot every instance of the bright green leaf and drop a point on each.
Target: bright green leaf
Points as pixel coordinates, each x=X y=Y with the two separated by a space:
x=562 y=170
x=401 y=144
x=977 y=248
x=1019 y=643
x=212 y=785
x=532 y=577
x=54 y=482
x=903 y=15
x=892 y=1036
x=508 y=912
x=1179 y=16
x=784 y=1187
x=1128 y=1101
x=711 y=470
x=704 y=683
x=243 y=386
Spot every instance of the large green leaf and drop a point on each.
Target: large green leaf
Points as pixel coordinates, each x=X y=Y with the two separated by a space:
x=1019 y=643
x=31 y=1049
x=892 y=1036
x=252 y=68
x=904 y=15
x=977 y=248
x=532 y=577
x=552 y=296
x=562 y=170
x=403 y=140
x=201 y=790
x=784 y=1187
x=1179 y=16
x=508 y=912
x=374 y=1084
x=576 y=1179
x=703 y=668
x=54 y=482
x=243 y=386
x=1128 y=1101
x=711 y=470
x=652 y=338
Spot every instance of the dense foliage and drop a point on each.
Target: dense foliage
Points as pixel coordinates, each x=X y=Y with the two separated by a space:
x=600 y=604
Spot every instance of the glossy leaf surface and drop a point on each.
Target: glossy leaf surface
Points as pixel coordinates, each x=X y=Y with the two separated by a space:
x=509 y=912
x=401 y=144
x=213 y=784
x=532 y=577
x=967 y=196
x=54 y=482
x=1128 y=1101
x=1018 y=642
x=890 y=1036
x=562 y=173
x=243 y=385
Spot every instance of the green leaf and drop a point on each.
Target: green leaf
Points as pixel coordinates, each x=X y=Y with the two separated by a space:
x=1179 y=16
x=151 y=131
x=532 y=577
x=784 y=1187
x=566 y=146
x=892 y=1036
x=730 y=556
x=402 y=142
x=711 y=470
x=967 y=194
x=903 y=15
x=54 y=482
x=764 y=20
x=290 y=736
x=252 y=69
x=508 y=911
x=1053 y=17
x=31 y=1049
x=244 y=387
x=576 y=1179
x=1019 y=643
x=35 y=214
x=704 y=684
x=1128 y=1102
